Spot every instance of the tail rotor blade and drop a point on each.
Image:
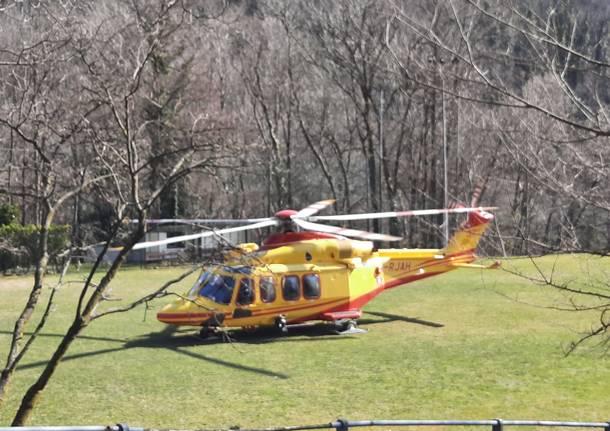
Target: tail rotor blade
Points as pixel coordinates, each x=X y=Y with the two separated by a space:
x=476 y=195
x=371 y=236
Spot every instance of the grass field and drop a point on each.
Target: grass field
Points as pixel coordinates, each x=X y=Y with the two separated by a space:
x=465 y=345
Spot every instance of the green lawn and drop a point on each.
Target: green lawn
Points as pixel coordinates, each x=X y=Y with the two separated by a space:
x=466 y=345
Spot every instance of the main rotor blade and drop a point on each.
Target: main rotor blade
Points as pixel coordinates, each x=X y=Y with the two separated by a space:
x=400 y=214
x=180 y=238
x=203 y=220
x=346 y=232
x=314 y=208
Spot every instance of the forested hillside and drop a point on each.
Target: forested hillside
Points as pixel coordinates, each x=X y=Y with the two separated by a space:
x=241 y=108
x=115 y=112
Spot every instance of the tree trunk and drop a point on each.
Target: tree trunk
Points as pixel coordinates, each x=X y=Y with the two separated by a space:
x=31 y=397
x=30 y=307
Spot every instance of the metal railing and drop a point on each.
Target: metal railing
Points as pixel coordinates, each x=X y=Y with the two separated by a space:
x=345 y=425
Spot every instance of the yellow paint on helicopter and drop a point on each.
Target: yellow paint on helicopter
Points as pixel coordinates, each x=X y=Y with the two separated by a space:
x=308 y=277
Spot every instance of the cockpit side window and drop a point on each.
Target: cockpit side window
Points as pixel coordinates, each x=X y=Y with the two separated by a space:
x=267 y=289
x=218 y=288
x=200 y=281
x=245 y=294
x=311 y=286
x=291 y=289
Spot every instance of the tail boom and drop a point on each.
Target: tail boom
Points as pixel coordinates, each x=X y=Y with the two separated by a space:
x=407 y=265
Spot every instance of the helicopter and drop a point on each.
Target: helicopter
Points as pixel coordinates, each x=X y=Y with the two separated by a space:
x=309 y=271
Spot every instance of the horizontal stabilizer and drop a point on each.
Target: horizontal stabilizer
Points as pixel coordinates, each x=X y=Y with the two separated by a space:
x=494 y=265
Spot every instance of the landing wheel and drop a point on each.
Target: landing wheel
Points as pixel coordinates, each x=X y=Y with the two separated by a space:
x=350 y=325
x=281 y=325
x=346 y=325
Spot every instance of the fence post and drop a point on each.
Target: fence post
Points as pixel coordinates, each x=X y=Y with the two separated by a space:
x=498 y=426
x=343 y=425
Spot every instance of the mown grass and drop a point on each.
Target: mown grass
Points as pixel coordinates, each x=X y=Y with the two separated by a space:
x=469 y=344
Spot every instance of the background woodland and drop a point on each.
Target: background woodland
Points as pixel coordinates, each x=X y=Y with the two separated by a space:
x=111 y=111
x=241 y=108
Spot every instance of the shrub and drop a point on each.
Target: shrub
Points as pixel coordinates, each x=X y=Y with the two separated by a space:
x=9 y=214
x=19 y=244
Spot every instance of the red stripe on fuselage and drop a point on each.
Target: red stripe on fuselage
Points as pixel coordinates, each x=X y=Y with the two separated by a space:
x=466 y=255
x=278 y=310
x=349 y=305
x=189 y=318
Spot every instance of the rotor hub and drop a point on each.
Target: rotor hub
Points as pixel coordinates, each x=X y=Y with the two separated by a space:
x=285 y=214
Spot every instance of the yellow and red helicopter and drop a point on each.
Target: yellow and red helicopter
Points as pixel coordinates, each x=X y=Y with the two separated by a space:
x=316 y=274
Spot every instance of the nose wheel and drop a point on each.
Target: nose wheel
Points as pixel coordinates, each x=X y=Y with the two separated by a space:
x=210 y=326
x=205 y=332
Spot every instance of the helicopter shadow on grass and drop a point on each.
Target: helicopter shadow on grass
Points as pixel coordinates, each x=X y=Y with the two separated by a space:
x=178 y=340
x=296 y=333
x=168 y=340
x=387 y=317
x=310 y=331
x=164 y=339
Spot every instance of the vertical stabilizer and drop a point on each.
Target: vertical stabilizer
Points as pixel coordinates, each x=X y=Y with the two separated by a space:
x=467 y=237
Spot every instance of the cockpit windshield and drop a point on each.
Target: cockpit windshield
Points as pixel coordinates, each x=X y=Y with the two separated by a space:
x=218 y=288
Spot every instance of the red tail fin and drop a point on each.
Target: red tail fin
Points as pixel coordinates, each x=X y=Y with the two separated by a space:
x=469 y=233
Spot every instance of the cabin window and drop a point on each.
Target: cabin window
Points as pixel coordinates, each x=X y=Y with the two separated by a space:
x=311 y=286
x=267 y=287
x=291 y=288
x=218 y=288
x=245 y=294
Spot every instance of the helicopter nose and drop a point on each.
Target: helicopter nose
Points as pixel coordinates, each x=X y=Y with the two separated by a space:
x=181 y=312
x=175 y=313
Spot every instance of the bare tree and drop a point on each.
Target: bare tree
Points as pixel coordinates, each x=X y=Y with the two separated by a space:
x=102 y=146
x=536 y=79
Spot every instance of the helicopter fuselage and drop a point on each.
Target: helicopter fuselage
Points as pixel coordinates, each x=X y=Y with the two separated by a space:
x=300 y=276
